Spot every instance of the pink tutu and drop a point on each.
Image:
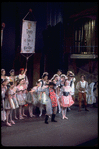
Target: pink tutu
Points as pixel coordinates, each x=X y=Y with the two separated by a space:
x=66 y=101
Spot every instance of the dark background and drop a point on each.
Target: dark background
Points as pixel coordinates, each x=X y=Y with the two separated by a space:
x=12 y=14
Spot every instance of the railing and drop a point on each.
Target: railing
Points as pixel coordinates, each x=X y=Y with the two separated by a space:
x=83 y=49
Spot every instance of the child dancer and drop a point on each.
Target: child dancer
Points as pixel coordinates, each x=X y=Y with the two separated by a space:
x=23 y=75
x=30 y=102
x=20 y=98
x=9 y=104
x=3 y=72
x=55 y=80
x=32 y=98
x=71 y=79
x=66 y=99
x=53 y=98
x=12 y=76
x=3 y=90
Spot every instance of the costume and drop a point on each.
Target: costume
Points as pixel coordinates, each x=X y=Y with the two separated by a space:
x=3 y=90
x=66 y=99
x=48 y=101
x=71 y=83
x=19 y=95
x=9 y=104
x=82 y=88
x=11 y=79
x=32 y=97
x=90 y=96
x=24 y=92
x=53 y=98
x=15 y=98
x=3 y=113
x=21 y=76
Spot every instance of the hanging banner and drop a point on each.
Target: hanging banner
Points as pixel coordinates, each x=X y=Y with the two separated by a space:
x=28 y=36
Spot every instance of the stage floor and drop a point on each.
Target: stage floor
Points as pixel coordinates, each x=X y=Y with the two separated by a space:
x=80 y=128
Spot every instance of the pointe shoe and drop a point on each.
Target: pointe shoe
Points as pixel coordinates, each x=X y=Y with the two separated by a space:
x=21 y=117
x=16 y=118
x=25 y=115
x=8 y=124
x=63 y=117
x=33 y=115
x=66 y=117
x=12 y=122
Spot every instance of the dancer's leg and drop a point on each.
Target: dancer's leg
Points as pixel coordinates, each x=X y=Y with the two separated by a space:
x=12 y=122
x=7 y=117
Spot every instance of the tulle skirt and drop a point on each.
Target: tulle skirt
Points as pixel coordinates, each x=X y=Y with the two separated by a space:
x=42 y=99
x=16 y=103
x=67 y=101
x=7 y=105
x=31 y=98
x=21 y=100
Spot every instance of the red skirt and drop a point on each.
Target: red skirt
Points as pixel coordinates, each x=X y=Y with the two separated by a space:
x=53 y=97
x=67 y=101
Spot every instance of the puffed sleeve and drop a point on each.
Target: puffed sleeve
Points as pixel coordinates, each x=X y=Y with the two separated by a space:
x=74 y=79
x=86 y=87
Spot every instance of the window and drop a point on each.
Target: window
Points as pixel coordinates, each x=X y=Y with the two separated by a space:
x=84 y=38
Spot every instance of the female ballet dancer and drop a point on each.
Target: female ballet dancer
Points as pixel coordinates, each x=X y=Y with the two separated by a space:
x=32 y=97
x=36 y=93
x=12 y=76
x=66 y=99
x=9 y=104
x=3 y=72
x=3 y=91
x=20 y=98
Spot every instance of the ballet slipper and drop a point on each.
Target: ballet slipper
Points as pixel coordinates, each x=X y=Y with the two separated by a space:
x=63 y=117
x=12 y=122
x=16 y=118
x=8 y=124
x=33 y=115
x=21 y=117
x=25 y=115
x=66 y=117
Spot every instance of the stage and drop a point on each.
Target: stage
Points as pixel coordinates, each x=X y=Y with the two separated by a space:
x=81 y=128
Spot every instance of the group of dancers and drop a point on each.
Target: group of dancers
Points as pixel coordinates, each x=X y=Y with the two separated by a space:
x=49 y=94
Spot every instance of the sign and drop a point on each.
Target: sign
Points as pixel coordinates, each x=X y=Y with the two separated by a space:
x=28 y=36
